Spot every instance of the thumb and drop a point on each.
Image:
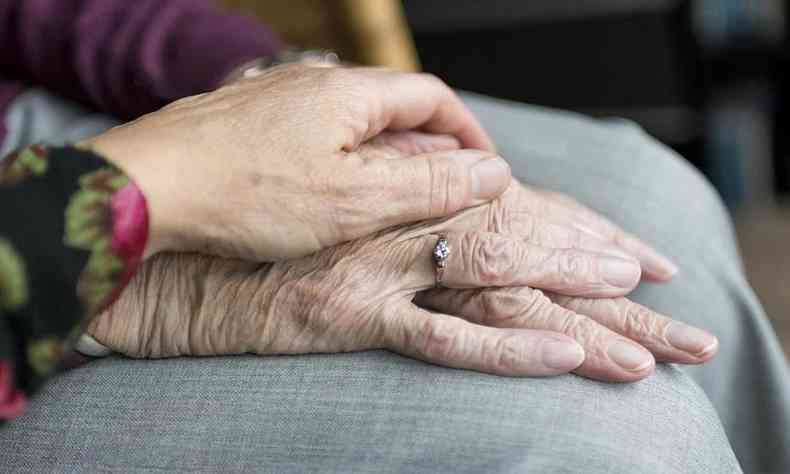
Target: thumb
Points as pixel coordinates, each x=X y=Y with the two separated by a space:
x=440 y=183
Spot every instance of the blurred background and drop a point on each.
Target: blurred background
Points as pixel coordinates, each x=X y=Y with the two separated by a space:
x=707 y=77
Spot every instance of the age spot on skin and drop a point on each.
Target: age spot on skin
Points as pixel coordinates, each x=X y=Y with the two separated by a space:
x=255 y=179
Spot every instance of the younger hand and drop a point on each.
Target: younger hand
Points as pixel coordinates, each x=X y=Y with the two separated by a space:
x=267 y=168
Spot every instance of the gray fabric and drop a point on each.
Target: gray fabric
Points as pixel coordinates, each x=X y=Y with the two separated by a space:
x=369 y=412
x=616 y=168
x=379 y=412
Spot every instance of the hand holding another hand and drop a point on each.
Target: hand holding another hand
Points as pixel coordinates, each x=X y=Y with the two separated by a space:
x=268 y=168
x=298 y=161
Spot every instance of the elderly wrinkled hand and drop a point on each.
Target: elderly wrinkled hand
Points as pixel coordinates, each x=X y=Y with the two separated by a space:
x=372 y=293
x=267 y=168
x=545 y=218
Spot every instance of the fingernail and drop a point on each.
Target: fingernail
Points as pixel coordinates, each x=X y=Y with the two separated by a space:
x=629 y=356
x=620 y=272
x=490 y=177
x=690 y=339
x=562 y=355
x=662 y=265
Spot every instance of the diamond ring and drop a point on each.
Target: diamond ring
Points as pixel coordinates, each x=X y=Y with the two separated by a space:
x=440 y=255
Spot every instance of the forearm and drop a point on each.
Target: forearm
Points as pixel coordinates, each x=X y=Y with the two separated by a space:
x=126 y=58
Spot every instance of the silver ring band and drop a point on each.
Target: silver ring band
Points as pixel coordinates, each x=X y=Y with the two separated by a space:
x=441 y=253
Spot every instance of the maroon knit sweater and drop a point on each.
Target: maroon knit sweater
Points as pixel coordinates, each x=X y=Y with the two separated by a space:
x=121 y=57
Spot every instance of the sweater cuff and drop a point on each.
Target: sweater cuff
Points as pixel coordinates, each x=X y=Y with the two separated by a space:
x=73 y=235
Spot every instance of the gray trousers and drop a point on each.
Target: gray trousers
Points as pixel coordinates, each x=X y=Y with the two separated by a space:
x=379 y=412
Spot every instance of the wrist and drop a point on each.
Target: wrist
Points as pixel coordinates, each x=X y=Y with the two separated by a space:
x=160 y=236
x=258 y=292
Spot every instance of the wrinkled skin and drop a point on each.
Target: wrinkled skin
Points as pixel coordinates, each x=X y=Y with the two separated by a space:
x=374 y=292
x=546 y=218
x=267 y=168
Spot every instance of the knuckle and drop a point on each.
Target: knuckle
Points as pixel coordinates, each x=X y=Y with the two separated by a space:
x=501 y=219
x=437 y=340
x=448 y=190
x=536 y=306
x=572 y=267
x=504 y=354
x=569 y=324
x=514 y=307
x=580 y=328
x=492 y=258
x=637 y=320
x=498 y=306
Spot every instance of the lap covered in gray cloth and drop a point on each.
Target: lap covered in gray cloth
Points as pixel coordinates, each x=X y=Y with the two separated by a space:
x=379 y=412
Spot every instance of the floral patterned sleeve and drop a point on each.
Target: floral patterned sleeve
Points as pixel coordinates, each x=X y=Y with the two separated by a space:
x=73 y=230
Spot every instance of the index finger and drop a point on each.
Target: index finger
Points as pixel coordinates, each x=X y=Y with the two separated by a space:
x=565 y=210
x=421 y=101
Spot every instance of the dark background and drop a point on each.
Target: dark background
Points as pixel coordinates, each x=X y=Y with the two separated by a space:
x=707 y=77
